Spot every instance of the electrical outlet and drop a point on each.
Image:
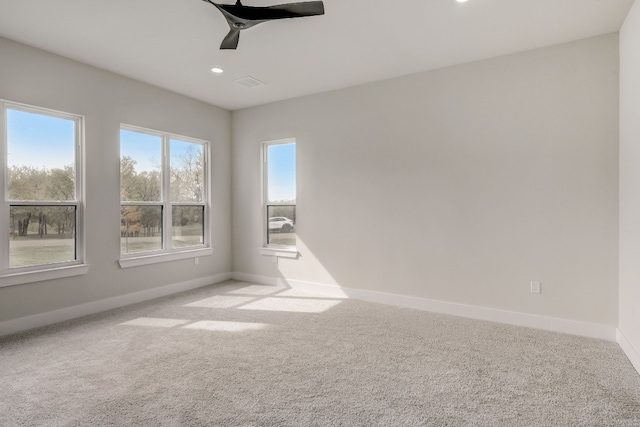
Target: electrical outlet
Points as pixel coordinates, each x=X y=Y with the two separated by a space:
x=196 y=261
x=536 y=287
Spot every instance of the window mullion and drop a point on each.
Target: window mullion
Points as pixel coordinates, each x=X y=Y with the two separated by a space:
x=4 y=206
x=139 y=203
x=4 y=236
x=79 y=193
x=265 y=193
x=166 y=193
x=188 y=204
x=42 y=203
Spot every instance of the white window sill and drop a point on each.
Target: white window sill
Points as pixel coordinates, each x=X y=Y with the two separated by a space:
x=11 y=279
x=139 y=260
x=279 y=252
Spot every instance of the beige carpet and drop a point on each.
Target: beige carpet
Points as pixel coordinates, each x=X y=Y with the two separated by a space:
x=245 y=355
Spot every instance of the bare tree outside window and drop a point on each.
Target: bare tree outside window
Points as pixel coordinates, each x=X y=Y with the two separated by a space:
x=42 y=199
x=162 y=203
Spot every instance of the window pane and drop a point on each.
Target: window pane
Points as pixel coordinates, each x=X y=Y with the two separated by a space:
x=140 y=229
x=281 y=173
x=140 y=166
x=188 y=226
x=41 y=235
x=40 y=156
x=281 y=225
x=187 y=171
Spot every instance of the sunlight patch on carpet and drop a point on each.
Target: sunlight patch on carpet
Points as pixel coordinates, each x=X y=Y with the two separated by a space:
x=293 y=305
x=154 y=322
x=257 y=290
x=210 y=325
x=220 y=301
x=299 y=293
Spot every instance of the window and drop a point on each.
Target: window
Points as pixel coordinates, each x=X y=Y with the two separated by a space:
x=163 y=193
x=42 y=206
x=280 y=193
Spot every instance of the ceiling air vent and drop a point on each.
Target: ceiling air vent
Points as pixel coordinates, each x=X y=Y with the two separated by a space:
x=249 y=82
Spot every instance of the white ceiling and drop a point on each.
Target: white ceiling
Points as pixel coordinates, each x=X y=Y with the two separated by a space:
x=174 y=43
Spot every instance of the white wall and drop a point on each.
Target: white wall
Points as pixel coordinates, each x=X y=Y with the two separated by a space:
x=35 y=77
x=630 y=183
x=461 y=184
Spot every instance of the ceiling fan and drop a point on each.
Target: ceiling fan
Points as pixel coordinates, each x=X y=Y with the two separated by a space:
x=240 y=17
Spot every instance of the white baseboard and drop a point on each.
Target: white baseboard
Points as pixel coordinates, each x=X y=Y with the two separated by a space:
x=67 y=313
x=587 y=329
x=629 y=349
x=260 y=280
x=574 y=327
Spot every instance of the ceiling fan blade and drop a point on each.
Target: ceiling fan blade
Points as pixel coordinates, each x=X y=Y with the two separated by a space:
x=240 y=17
x=231 y=39
x=295 y=10
x=268 y=13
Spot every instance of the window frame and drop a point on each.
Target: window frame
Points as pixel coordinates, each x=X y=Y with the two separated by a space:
x=273 y=249
x=167 y=251
x=10 y=276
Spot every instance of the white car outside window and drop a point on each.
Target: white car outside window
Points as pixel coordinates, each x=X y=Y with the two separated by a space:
x=280 y=223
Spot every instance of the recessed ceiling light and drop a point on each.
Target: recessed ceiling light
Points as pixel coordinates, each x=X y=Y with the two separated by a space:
x=461 y=1
x=217 y=70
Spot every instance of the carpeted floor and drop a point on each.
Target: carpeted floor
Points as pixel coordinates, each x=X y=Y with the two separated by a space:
x=238 y=354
